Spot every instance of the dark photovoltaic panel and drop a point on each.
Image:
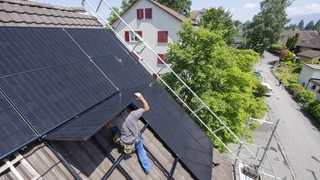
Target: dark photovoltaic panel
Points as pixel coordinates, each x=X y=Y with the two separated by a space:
x=97 y=42
x=25 y=49
x=91 y=121
x=51 y=96
x=14 y=132
x=51 y=80
x=179 y=132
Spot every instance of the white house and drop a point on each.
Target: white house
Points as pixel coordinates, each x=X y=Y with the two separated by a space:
x=309 y=78
x=196 y=16
x=156 y=24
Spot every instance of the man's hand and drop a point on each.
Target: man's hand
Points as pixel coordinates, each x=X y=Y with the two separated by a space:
x=144 y=102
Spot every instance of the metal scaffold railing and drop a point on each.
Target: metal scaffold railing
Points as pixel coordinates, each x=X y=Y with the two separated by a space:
x=94 y=7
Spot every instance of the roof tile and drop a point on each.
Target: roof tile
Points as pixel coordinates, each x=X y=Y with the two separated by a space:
x=31 y=13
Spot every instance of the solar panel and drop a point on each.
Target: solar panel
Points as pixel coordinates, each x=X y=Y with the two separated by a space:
x=50 y=78
x=28 y=49
x=97 y=42
x=51 y=96
x=15 y=133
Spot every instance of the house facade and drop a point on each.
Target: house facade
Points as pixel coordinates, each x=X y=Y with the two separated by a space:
x=196 y=16
x=309 y=78
x=157 y=25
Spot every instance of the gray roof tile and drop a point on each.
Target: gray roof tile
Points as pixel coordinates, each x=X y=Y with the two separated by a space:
x=28 y=13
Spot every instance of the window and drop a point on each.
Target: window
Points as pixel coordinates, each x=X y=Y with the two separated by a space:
x=162 y=36
x=139 y=13
x=148 y=13
x=162 y=57
x=129 y=36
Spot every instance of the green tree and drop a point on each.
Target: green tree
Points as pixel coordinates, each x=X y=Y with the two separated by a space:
x=301 y=25
x=310 y=26
x=113 y=17
x=317 y=25
x=292 y=42
x=181 y=6
x=267 y=25
x=221 y=76
x=220 y=19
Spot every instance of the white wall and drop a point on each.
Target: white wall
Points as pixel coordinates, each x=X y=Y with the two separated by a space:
x=308 y=73
x=161 y=21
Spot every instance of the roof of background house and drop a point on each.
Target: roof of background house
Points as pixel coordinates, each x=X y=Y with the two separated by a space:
x=304 y=35
x=313 y=66
x=194 y=14
x=29 y=13
x=170 y=11
x=313 y=43
x=315 y=81
x=309 y=53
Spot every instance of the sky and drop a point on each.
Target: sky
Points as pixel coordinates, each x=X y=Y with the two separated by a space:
x=242 y=10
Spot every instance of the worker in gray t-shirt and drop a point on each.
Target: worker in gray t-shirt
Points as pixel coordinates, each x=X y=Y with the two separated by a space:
x=127 y=122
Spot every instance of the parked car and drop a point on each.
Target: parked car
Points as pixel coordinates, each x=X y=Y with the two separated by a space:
x=269 y=92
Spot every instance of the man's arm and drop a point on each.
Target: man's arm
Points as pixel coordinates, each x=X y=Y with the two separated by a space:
x=144 y=102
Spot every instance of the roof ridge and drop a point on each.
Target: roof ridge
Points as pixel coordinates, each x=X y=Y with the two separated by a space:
x=43 y=5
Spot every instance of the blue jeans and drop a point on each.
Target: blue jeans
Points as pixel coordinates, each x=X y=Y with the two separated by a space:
x=142 y=156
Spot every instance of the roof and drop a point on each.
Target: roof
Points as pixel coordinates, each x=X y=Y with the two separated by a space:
x=171 y=12
x=67 y=83
x=316 y=82
x=313 y=43
x=303 y=35
x=313 y=66
x=29 y=13
x=309 y=53
x=195 y=13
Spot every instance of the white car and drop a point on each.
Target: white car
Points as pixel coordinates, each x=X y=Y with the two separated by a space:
x=269 y=92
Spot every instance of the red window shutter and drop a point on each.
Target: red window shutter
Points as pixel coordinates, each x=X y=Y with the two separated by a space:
x=162 y=36
x=139 y=13
x=148 y=13
x=140 y=33
x=162 y=57
x=126 y=36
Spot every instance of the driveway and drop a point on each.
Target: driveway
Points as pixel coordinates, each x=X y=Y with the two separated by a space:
x=298 y=138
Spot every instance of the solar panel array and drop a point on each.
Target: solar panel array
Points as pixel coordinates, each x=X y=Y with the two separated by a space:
x=65 y=84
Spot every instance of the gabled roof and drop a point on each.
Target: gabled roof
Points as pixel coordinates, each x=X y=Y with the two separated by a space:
x=172 y=12
x=303 y=35
x=195 y=13
x=313 y=66
x=310 y=53
x=311 y=43
x=28 y=13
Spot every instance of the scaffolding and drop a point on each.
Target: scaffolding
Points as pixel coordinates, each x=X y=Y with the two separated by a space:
x=98 y=7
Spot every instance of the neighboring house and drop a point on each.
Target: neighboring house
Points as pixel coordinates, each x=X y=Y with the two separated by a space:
x=156 y=24
x=310 y=55
x=62 y=78
x=303 y=35
x=196 y=16
x=311 y=44
x=309 y=78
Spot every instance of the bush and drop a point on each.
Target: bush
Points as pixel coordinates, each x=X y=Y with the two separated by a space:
x=260 y=91
x=295 y=86
x=276 y=48
x=314 y=109
x=306 y=96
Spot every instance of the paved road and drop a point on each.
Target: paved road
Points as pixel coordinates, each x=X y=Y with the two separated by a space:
x=298 y=137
